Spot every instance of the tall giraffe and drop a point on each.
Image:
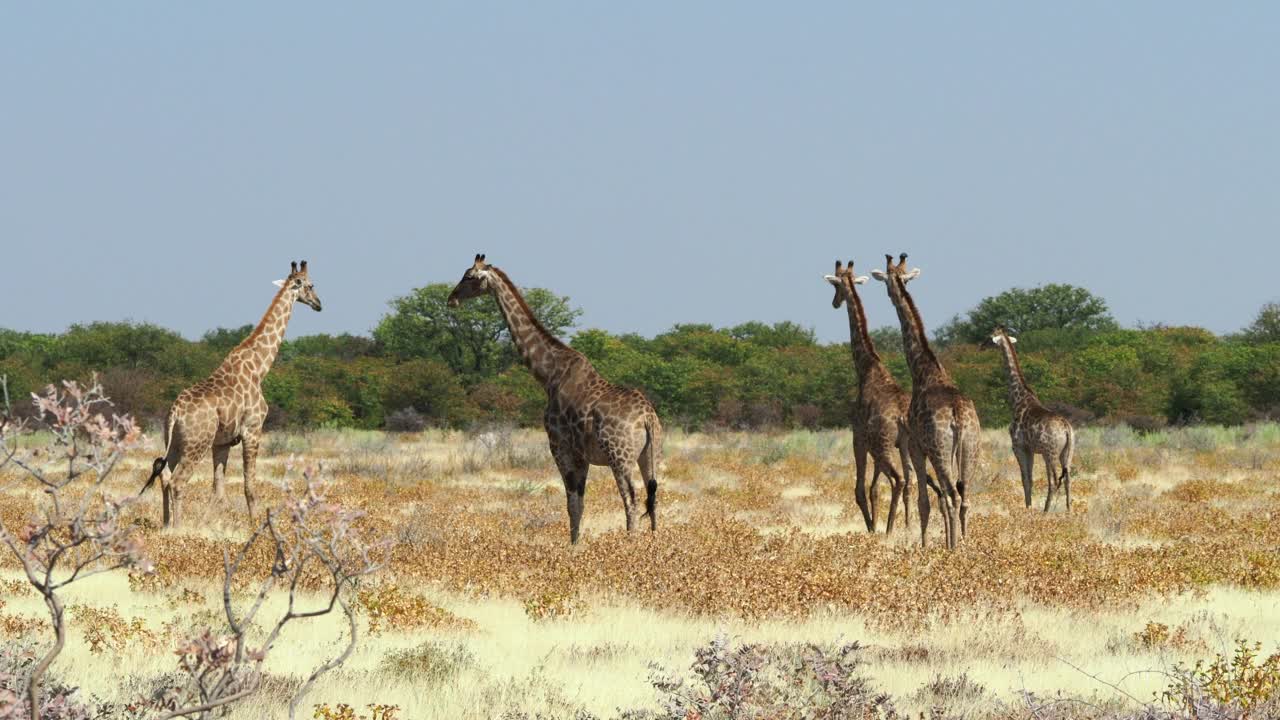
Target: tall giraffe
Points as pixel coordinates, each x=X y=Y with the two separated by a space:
x=227 y=408
x=880 y=411
x=1034 y=429
x=945 y=430
x=589 y=421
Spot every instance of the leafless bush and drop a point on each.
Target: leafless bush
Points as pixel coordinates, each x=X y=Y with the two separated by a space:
x=311 y=540
x=77 y=529
x=406 y=420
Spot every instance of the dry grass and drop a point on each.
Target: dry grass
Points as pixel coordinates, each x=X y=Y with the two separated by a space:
x=486 y=608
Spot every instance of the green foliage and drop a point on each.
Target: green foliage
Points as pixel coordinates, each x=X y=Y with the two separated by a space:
x=471 y=339
x=1048 y=307
x=1265 y=328
x=752 y=375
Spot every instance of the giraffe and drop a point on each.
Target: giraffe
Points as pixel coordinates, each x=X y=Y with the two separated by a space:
x=944 y=425
x=589 y=421
x=1034 y=429
x=227 y=408
x=879 y=412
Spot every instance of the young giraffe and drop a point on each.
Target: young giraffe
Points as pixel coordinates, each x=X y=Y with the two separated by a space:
x=1034 y=429
x=879 y=412
x=227 y=408
x=589 y=420
x=944 y=424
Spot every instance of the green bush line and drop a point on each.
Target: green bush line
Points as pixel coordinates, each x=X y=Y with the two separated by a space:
x=752 y=375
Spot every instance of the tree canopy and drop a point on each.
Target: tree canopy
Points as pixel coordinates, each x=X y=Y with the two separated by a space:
x=471 y=339
x=1048 y=307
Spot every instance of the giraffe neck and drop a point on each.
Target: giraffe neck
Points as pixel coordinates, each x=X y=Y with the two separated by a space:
x=539 y=349
x=865 y=357
x=1019 y=392
x=925 y=368
x=256 y=353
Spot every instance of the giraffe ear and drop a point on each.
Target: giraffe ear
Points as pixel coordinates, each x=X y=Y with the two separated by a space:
x=860 y=279
x=831 y=279
x=1013 y=339
x=879 y=275
x=278 y=283
x=915 y=273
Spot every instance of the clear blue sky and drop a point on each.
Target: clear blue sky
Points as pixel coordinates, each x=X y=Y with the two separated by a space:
x=657 y=162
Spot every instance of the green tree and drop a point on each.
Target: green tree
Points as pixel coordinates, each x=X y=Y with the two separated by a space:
x=223 y=339
x=472 y=339
x=778 y=335
x=1265 y=328
x=1053 y=306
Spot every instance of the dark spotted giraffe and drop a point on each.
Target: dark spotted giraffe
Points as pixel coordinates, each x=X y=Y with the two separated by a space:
x=879 y=413
x=945 y=431
x=227 y=408
x=589 y=420
x=1034 y=429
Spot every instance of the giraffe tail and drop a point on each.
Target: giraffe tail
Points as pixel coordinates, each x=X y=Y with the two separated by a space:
x=157 y=466
x=652 y=431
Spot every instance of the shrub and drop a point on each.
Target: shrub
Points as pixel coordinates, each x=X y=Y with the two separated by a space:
x=428 y=663
x=789 y=681
x=1237 y=686
x=406 y=420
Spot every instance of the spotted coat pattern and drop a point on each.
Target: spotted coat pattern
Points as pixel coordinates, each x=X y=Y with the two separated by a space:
x=589 y=421
x=945 y=432
x=1035 y=430
x=880 y=411
x=227 y=408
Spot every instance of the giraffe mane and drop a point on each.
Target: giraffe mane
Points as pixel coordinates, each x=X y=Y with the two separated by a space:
x=261 y=326
x=1017 y=366
x=919 y=322
x=862 y=320
x=537 y=324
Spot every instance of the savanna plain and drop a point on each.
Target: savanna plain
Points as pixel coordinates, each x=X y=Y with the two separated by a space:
x=761 y=568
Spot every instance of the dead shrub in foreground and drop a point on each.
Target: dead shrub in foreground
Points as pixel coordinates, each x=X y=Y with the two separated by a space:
x=78 y=531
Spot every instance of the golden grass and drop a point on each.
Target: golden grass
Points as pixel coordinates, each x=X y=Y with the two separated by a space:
x=759 y=537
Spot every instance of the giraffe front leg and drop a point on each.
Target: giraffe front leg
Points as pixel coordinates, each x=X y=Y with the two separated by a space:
x=860 y=484
x=1025 y=469
x=249 y=454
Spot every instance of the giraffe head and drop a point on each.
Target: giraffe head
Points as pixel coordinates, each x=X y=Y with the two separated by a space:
x=843 y=281
x=298 y=286
x=893 y=273
x=476 y=281
x=999 y=336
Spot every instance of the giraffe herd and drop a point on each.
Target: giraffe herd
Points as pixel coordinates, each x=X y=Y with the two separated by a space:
x=590 y=421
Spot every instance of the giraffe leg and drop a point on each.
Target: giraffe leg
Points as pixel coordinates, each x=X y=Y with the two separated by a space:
x=922 y=493
x=627 y=489
x=181 y=474
x=904 y=457
x=896 y=489
x=167 y=494
x=1025 y=468
x=249 y=455
x=221 y=453
x=947 y=490
x=873 y=492
x=860 y=484
x=575 y=487
x=1066 y=485
x=1053 y=481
